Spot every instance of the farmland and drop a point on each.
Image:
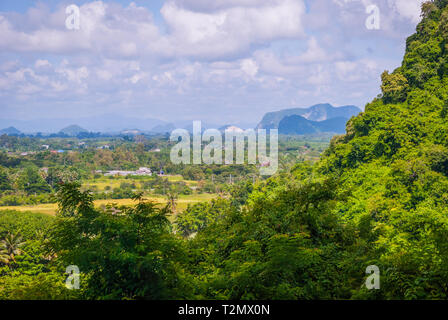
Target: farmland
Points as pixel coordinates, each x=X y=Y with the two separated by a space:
x=51 y=208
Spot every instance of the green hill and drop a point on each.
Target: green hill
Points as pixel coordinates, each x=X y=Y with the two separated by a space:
x=378 y=197
x=393 y=162
x=73 y=130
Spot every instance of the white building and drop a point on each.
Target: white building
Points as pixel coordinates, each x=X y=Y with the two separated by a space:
x=143 y=171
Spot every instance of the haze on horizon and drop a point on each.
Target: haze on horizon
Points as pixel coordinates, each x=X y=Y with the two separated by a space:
x=222 y=62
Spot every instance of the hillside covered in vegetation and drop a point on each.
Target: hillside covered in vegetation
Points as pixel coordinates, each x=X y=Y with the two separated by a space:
x=378 y=196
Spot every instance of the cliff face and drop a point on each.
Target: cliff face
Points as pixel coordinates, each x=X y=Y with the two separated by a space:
x=319 y=112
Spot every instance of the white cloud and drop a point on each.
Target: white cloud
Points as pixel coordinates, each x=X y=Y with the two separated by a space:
x=216 y=5
x=42 y=63
x=245 y=55
x=74 y=75
x=272 y=64
x=249 y=67
x=232 y=30
x=362 y=70
x=58 y=86
x=136 y=77
x=319 y=76
x=117 y=32
x=409 y=9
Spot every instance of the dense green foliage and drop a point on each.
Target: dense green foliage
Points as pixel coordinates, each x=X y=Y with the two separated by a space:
x=199 y=216
x=393 y=161
x=27 y=270
x=379 y=196
x=126 y=252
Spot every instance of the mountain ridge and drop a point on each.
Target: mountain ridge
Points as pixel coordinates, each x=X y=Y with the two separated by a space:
x=73 y=130
x=318 y=112
x=298 y=125
x=10 y=131
x=101 y=123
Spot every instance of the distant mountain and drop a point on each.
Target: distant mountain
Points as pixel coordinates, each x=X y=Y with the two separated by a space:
x=334 y=125
x=131 y=132
x=298 y=125
x=204 y=126
x=319 y=112
x=73 y=130
x=163 y=128
x=11 y=131
x=101 y=123
x=231 y=128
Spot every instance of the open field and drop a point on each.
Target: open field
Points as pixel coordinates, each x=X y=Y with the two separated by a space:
x=114 y=182
x=51 y=208
x=177 y=178
x=48 y=208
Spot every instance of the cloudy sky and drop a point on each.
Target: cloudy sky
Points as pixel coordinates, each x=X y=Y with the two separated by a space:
x=221 y=61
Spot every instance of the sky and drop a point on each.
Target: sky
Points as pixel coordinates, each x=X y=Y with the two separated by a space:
x=220 y=61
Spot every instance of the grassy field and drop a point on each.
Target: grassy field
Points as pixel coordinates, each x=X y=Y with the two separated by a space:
x=182 y=203
x=177 y=178
x=100 y=184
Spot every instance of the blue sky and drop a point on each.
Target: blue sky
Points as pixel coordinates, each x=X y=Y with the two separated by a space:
x=221 y=61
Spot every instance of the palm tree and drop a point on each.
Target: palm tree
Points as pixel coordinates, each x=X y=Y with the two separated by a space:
x=10 y=248
x=172 y=196
x=4 y=258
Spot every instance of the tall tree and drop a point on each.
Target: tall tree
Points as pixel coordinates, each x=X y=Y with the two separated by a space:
x=5 y=183
x=127 y=253
x=10 y=247
x=32 y=182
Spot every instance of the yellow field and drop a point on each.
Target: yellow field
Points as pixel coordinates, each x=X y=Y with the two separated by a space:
x=182 y=203
x=40 y=208
x=178 y=178
x=103 y=182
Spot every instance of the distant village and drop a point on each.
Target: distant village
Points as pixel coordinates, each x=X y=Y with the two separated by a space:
x=69 y=149
x=143 y=171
